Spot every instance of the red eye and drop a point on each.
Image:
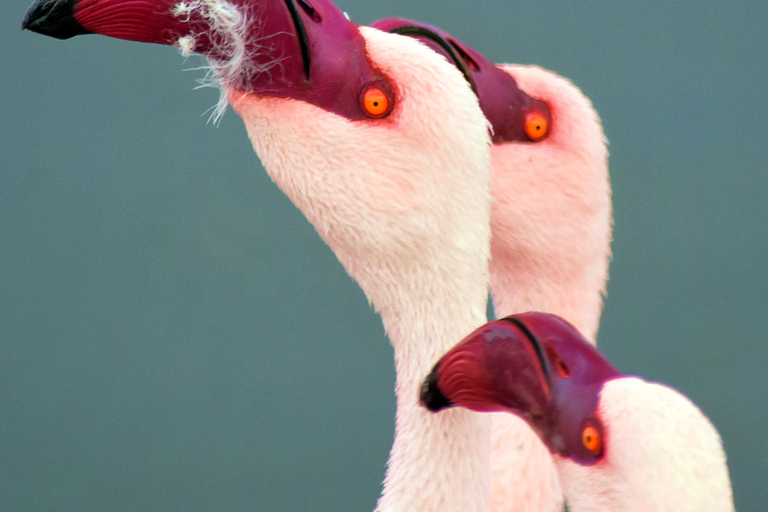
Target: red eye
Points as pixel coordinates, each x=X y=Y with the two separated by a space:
x=592 y=440
x=536 y=126
x=375 y=102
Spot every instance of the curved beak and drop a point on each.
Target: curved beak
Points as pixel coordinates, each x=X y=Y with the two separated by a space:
x=499 y=367
x=534 y=365
x=302 y=49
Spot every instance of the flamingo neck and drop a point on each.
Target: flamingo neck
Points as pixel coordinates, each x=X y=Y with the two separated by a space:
x=576 y=298
x=551 y=245
x=408 y=218
x=439 y=462
x=551 y=216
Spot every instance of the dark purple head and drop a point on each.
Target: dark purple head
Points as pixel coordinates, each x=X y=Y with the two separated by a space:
x=535 y=365
x=302 y=49
x=514 y=116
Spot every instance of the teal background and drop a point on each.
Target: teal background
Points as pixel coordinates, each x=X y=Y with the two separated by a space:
x=175 y=336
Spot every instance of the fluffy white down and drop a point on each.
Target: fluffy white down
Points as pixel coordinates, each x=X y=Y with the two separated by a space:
x=228 y=26
x=551 y=224
x=662 y=454
x=404 y=204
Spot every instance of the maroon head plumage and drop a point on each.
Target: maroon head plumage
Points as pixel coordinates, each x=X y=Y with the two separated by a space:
x=535 y=365
x=302 y=49
x=514 y=116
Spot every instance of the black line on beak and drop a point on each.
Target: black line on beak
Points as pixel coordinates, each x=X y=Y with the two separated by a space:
x=536 y=346
x=301 y=34
x=416 y=31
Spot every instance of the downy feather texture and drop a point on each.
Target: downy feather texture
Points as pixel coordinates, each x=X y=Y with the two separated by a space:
x=661 y=454
x=404 y=203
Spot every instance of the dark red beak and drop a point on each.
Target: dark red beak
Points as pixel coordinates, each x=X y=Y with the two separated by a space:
x=500 y=366
x=534 y=365
x=302 y=49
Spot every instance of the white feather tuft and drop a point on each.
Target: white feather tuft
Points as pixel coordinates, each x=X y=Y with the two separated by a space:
x=187 y=45
x=229 y=33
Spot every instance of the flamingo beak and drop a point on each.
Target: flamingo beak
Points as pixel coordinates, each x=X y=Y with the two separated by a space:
x=534 y=365
x=499 y=367
x=302 y=49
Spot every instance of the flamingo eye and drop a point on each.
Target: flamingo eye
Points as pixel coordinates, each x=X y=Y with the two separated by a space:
x=536 y=126
x=592 y=440
x=375 y=102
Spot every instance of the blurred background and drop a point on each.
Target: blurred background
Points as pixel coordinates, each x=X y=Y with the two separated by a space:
x=175 y=336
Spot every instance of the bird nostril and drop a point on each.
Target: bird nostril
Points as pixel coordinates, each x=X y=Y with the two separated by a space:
x=560 y=367
x=465 y=56
x=311 y=12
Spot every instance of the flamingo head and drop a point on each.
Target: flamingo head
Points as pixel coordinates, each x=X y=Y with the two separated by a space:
x=551 y=214
x=537 y=366
x=302 y=49
x=620 y=443
x=378 y=140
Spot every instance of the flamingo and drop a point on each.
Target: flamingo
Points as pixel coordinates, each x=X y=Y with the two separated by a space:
x=550 y=225
x=620 y=443
x=383 y=147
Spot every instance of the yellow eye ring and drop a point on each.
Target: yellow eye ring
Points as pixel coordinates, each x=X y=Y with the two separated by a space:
x=592 y=440
x=536 y=126
x=375 y=102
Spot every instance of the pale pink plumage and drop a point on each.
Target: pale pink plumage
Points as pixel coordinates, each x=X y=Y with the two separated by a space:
x=551 y=225
x=404 y=204
x=661 y=454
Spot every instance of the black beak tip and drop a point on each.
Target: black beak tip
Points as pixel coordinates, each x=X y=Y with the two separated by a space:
x=431 y=396
x=30 y=16
x=55 y=18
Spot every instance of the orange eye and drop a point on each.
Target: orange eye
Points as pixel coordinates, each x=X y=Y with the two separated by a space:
x=375 y=102
x=536 y=126
x=592 y=440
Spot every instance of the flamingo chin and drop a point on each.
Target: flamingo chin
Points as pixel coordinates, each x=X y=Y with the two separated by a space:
x=376 y=190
